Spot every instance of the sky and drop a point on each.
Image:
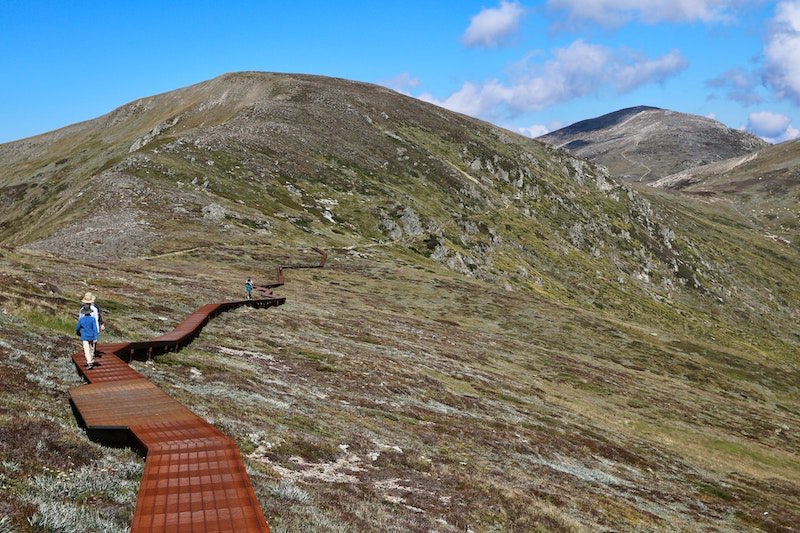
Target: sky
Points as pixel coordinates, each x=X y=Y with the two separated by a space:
x=529 y=66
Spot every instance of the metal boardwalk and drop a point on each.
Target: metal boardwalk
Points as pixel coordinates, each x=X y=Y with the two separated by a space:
x=194 y=478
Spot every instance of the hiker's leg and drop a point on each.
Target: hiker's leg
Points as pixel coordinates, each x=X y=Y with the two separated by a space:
x=88 y=352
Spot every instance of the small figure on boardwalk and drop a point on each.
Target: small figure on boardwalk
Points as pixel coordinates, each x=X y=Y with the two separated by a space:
x=248 y=287
x=97 y=314
x=88 y=331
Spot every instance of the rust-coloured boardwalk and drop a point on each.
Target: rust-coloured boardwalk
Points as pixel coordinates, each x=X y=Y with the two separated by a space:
x=194 y=478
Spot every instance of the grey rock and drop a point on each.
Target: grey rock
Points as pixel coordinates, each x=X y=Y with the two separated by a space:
x=214 y=212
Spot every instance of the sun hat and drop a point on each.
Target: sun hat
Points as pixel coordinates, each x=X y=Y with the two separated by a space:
x=88 y=298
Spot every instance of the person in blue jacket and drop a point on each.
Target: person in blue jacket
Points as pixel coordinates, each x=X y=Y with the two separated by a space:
x=88 y=331
x=89 y=298
x=248 y=288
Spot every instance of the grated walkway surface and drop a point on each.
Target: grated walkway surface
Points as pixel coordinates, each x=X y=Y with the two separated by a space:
x=194 y=478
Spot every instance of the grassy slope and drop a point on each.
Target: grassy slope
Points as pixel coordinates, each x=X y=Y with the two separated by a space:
x=390 y=394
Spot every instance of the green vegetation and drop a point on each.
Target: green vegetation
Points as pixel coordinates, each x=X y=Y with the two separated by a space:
x=47 y=321
x=503 y=339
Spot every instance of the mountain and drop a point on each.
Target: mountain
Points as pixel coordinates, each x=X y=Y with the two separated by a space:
x=763 y=185
x=505 y=338
x=644 y=144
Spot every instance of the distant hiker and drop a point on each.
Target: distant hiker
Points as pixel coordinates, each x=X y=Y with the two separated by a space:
x=248 y=287
x=87 y=329
x=89 y=299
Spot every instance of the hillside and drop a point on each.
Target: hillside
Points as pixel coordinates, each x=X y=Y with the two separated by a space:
x=507 y=339
x=764 y=186
x=644 y=144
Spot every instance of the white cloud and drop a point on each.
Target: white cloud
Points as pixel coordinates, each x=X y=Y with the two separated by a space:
x=577 y=70
x=791 y=134
x=402 y=83
x=782 y=52
x=767 y=123
x=615 y=13
x=772 y=127
x=492 y=26
x=650 y=71
x=534 y=130
x=474 y=100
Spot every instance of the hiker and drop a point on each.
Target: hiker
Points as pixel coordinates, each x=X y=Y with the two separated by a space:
x=248 y=287
x=87 y=329
x=89 y=299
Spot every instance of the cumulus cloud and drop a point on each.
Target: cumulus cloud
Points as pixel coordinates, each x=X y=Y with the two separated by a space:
x=782 y=52
x=402 y=83
x=534 y=130
x=739 y=85
x=471 y=99
x=650 y=71
x=615 y=13
x=772 y=127
x=578 y=70
x=493 y=26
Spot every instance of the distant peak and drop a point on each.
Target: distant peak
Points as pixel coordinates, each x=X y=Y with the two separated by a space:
x=607 y=120
x=644 y=143
x=639 y=109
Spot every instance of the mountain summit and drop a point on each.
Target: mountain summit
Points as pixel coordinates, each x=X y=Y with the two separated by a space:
x=645 y=143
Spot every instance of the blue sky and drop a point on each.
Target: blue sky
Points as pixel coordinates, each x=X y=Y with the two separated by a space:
x=529 y=66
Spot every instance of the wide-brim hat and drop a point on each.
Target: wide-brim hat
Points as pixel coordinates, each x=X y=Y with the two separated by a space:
x=88 y=298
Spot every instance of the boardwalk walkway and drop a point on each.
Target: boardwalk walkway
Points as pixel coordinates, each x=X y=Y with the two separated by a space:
x=194 y=478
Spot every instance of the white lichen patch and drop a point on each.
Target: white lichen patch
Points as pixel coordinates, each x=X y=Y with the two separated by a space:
x=339 y=471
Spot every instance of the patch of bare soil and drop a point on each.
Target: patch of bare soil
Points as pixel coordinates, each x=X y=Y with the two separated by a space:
x=101 y=236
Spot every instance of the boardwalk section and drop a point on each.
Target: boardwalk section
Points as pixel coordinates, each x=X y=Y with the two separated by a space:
x=194 y=478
